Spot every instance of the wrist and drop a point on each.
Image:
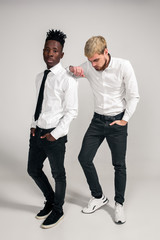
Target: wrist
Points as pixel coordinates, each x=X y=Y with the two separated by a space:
x=71 y=68
x=124 y=122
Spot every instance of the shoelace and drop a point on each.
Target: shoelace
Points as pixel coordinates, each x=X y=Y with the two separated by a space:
x=90 y=201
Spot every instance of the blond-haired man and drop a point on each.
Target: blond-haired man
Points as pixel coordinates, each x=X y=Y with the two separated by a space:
x=116 y=96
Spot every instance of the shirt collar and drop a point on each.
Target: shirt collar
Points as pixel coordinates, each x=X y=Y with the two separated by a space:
x=110 y=61
x=56 y=68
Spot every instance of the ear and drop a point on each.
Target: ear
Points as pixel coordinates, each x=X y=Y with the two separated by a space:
x=105 y=51
x=62 y=54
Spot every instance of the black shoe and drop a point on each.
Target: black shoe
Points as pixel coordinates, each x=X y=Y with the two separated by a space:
x=45 y=211
x=52 y=219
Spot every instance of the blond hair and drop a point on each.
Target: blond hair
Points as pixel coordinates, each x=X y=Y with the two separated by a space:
x=96 y=44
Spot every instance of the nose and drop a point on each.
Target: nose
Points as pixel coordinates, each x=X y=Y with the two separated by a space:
x=93 y=64
x=50 y=52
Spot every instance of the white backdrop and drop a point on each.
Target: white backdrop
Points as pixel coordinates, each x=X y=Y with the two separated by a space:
x=131 y=29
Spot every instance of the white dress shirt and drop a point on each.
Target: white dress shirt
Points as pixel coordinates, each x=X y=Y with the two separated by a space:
x=115 y=89
x=60 y=101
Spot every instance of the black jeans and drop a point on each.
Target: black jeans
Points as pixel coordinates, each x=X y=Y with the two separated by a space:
x=116 y=137
x=39 y=150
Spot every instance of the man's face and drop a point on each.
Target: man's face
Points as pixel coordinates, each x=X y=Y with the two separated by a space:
x=100 y=61
x=52 y=53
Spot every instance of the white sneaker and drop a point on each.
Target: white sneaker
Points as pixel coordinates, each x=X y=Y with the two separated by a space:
x=94 y=204
x=119 y=213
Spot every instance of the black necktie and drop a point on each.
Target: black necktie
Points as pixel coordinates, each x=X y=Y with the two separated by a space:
x=40 y=96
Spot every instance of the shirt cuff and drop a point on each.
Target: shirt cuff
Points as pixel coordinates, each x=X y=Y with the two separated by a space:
x=125 y=118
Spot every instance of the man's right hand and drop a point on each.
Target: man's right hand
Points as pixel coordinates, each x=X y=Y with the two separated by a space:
x=33 y=131
x=77 y=71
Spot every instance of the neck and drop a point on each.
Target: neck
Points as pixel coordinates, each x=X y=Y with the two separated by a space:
x=108 y=59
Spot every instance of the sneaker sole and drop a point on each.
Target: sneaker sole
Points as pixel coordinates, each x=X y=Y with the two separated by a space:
x=51 y=225
x=106 y=202
x=42 y=217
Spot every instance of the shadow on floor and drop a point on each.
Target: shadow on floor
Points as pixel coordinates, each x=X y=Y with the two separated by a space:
x=18 y=206
x=82 y=201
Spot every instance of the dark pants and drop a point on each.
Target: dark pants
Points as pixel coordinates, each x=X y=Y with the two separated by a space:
x=116 y=137
x=39 y=150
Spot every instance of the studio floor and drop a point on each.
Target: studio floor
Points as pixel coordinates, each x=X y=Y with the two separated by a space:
x=20 y=200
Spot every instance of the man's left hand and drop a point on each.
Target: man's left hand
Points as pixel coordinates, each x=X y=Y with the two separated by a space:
x=119 y=122
x=49 y=137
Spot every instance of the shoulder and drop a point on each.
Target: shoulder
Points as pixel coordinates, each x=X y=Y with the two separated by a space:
x=68 y=77
x=121 y=64
x=67 y=81
x=120 y=61
x=39 y=75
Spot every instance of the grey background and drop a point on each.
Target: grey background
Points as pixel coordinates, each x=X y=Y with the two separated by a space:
x=131 y=29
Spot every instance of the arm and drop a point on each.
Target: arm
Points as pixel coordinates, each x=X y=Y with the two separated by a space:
x=34 y=123
x=132 y=95
x=70 y=103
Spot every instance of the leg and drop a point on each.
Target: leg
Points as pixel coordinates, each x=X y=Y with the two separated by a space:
x=35 y=164
x=117 y=141
x=55 y=152
x=91 y=142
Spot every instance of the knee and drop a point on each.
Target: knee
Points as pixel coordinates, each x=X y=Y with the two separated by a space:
x=29 y=171
x=121 y=167
x=59 y=176
x=79 y=158
x=83 y=160
x=33 y=172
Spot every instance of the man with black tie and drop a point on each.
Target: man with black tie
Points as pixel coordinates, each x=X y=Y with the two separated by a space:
x=57 y=104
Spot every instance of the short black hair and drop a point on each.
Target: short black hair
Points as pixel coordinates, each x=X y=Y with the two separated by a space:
x=56 y=35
